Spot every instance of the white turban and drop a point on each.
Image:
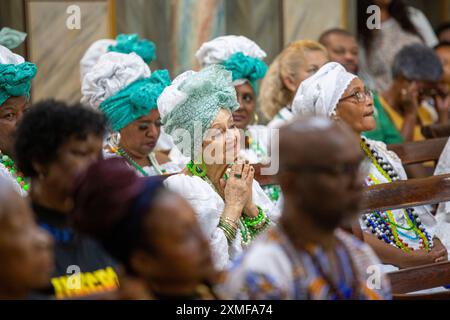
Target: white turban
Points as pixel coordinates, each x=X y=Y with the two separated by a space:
x=320 y=94
x=221 y=49
x=93 y=54
x=171 y=96
x=8 y=57
x=113 y=72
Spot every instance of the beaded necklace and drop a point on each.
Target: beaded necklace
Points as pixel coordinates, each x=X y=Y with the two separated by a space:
x=195 y=170
x=9 y=164
x=121 y=152
x=383 y=224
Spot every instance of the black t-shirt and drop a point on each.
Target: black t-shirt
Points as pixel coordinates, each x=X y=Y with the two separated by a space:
x=82 y=265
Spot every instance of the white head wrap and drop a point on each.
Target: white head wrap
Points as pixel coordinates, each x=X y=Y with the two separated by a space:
x=171 y=96
x=113 y=72
x=221 y=49
x=320 y=94
x=93 y=53
x=9 y=57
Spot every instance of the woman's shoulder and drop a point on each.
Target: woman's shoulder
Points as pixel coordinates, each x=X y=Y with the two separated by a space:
x=421 y=22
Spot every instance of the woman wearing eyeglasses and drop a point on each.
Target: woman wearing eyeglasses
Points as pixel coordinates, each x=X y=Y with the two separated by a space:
x=335 y=93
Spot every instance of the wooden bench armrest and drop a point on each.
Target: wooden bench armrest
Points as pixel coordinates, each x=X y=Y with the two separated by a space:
x=406 y=193
x=436 y=130
x=420 y=278
x=419 y=151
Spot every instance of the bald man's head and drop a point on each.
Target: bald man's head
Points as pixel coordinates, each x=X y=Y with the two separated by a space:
x=312 y=141
x=319 y=169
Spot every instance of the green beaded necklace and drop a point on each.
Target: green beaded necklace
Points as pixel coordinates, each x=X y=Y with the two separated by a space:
x=9 y=164
x=152 y=158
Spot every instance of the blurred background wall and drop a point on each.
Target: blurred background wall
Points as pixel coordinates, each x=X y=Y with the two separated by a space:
x=178 y=27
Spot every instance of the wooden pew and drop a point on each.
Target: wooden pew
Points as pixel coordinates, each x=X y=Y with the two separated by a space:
x=419 y=151
x=410 y=153
x=436 y=130
x=421 y=278
x=407 y=193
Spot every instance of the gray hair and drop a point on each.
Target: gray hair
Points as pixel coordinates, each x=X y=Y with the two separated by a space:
x=417 y=62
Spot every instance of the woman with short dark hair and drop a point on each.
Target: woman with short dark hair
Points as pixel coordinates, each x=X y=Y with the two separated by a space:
x=54 y=143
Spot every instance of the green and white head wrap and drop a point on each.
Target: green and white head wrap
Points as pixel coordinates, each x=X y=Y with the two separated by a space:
x=15 y=75
x=134 y=101
x=124 y=43
x=194 y=99
x=240 y=55
x=112 y=73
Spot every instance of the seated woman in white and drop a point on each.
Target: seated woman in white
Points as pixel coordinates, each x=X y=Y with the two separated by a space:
x=402 y=238
x=124 y=89
x=245 y=60
x=231 y=207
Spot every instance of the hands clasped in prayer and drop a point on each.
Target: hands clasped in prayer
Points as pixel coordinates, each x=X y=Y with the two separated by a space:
x=237 y=191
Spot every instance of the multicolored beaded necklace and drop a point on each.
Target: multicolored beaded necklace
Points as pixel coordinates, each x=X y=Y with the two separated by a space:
x=382 y=224
x=195 y=170
x=121 y=152
x=9 y=164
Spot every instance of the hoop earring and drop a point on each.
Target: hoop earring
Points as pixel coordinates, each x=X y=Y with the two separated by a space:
x=335 y=118
x=114 y=139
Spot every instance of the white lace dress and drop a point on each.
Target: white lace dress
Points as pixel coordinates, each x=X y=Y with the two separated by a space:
x=443 y=211
x=209 y=207
x=374 y=176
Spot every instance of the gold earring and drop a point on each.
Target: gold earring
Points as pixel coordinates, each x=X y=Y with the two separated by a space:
x=255 y=118
x=335 y=118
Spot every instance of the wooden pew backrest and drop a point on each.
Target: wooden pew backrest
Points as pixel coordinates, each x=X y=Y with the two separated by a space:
x=407 y=193
x=420 y=278
x=420 y=151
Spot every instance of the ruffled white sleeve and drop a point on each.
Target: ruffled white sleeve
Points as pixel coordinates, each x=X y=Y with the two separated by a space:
x=4 y=174
x=208 y=206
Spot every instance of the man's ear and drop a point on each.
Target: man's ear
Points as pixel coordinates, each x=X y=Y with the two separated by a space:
x=286 y=182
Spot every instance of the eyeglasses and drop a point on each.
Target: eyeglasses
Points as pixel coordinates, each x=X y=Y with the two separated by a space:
x=359 y=96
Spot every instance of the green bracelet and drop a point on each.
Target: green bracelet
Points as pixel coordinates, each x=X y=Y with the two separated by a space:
x=254 y=222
